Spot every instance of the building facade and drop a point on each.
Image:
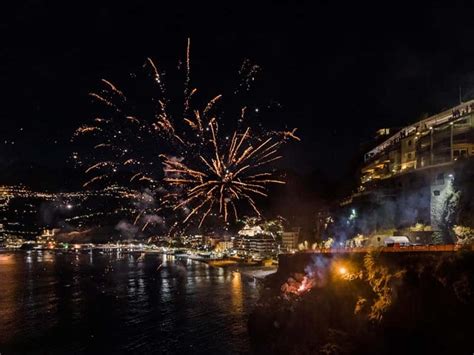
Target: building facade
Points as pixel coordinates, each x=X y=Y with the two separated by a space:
x=257 y=245
x=408 y=179
x=435 y=141
x=290 y=239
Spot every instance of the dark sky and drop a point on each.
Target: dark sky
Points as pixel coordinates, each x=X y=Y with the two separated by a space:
x=340 y=70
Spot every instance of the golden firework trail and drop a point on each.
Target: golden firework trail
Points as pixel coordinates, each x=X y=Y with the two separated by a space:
x=213 y=166
x=114 y=89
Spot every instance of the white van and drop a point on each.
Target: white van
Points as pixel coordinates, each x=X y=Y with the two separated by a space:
x=402 y=241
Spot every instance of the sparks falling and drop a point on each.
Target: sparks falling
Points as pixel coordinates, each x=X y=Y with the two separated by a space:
x=209 y=166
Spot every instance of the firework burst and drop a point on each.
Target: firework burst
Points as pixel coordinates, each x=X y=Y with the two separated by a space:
x=208 y=165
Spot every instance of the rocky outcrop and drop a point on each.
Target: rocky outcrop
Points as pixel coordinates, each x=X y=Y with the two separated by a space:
x=367 y=303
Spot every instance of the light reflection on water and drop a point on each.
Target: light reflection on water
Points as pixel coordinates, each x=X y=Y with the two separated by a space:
x=115 y=303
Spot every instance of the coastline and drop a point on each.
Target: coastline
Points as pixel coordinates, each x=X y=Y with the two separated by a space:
x=250 y=270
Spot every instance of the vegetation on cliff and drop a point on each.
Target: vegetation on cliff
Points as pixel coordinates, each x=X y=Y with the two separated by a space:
x=377 y=303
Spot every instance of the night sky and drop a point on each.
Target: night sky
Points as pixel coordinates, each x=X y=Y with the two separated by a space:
x=339 y=70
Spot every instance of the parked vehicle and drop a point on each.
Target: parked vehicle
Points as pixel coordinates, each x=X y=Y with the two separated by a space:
x=397 y=241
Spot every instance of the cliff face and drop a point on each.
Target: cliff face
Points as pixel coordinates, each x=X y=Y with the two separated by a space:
x=367 y=303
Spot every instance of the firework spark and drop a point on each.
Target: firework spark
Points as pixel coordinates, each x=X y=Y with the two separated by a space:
x=211 y=167
x=225 y=173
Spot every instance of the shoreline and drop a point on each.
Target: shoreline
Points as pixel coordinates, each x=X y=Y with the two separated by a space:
x=255 y=271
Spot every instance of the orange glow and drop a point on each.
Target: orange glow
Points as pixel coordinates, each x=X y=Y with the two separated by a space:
x=342 y=270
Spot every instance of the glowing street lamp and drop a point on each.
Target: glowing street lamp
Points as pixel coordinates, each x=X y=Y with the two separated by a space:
x=342 y=270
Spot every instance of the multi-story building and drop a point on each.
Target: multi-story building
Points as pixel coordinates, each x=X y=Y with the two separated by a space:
x=257 y=245
x=408 y=177
x=290 y=239
x=253 y=240
x=224 y=245
x=437 y=140
x=48 y=238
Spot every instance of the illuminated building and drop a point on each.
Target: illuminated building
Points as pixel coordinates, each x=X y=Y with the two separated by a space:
x=224 y=245
x=193 y=241
x=13 y=242
x=258 y=245
x=289 y=240
x=438 y=140
x=407 y=179
x=47 y=238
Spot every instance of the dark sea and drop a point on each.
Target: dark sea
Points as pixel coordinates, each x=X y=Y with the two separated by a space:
x=114 y=303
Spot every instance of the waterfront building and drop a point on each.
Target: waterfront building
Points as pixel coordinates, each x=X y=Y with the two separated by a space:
x=48 y=238
x=252 y=240
x=224 y=245
x=13 y=242
x=192 y=240
x=257 y=245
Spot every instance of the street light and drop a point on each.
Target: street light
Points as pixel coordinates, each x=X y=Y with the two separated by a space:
x=342 y=270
